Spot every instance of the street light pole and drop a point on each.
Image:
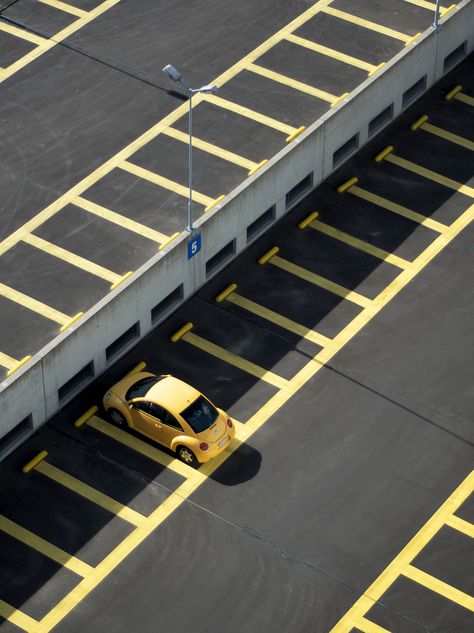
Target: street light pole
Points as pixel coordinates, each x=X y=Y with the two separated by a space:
x=436 y=17
x=176 y=76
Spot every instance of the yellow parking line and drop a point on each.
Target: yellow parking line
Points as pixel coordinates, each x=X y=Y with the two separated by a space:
x=211 y=149
x=164 y=182
x=431 y=175
x=34 y=305
x=7 y=361
x=120 y=220
x=465 y=98
x=236 y=361
x=461 y=525
x=250 y=114
x=44 y=547
x=449 y=136
x=367 y=626
x=278 y=319
x=90 y=493
x=24 y=35
x=431 y=6
x=17 y=617
x=373 y=26
x=142 y=447
x=330 y=52
x=438 y=586
x=67 y=8
x=434 y=225
x=346 y=238
x=292 y=83
x=71 y=258
x=320 y=281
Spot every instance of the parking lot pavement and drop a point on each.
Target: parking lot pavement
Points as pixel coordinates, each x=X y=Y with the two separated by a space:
x=339 y=342
x=95 y=149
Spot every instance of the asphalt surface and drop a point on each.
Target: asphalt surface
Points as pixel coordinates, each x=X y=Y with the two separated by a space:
x=334 y=480
x=84 y=81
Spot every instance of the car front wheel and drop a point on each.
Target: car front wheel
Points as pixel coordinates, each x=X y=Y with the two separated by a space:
x=117 y=418
x=186 y=455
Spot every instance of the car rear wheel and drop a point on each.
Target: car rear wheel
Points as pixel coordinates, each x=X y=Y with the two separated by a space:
x=186 y=455
x=117 y=418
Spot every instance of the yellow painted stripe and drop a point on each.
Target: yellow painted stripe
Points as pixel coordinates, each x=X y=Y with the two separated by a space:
x=278 y=319
x=449 y=136
x=431 y=175
x=434 y=225
x=34 y=305
x=7 y=361
x=373 y=26
x=211 y=149
x=367 y=626
x=24 y=35
x=44 y=547
x=164 y=182
x=431 y=6
x=17 y=617
x=461 y=525
x=250 y=114
x=465 y=98
x=292 y=83
x=330 y=52
x=90 y=493
x=346 y=238
x=71 y=258
x=440 y=587
x=320 y=281
x=236 y=361
x=67 y=8
x=142 y=447
x=120 y=220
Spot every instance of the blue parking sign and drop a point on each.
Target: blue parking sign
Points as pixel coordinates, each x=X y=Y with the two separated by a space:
x=194 y=245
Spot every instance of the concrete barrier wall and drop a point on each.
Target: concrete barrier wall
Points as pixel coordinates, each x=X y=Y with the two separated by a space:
x=30 y=395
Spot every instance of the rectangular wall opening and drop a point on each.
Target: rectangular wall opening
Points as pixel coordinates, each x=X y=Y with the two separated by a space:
x=299 y=190
x=168 y=304
x=381 y=120
x=348 y=148
x=454 y=57
x=15 y=437
x=219 y=259
x=258 y=225
x=123 y=341
x=76 y=382
x=414 y=92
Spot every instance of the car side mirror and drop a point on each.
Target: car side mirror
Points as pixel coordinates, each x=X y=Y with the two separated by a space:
x=131 y=405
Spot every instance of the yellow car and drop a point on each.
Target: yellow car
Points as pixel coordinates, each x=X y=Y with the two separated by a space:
x=171 y=412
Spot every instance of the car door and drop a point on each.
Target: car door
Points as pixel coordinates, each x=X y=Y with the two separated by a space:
x=170 y=427
x=144 y=421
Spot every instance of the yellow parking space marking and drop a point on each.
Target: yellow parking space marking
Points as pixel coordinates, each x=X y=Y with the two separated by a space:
x=250 y=114
x=34 y=305
x=431 y=6
x=156 y=179
x=449 y=136
x=44 y=547
x=373 y=26
x=24 y=35
x=431 y=175
x=434 y=225
x=72 y=258
x=19 y=364
x=320 y=281
x=292 y=83
x=367 y=626
x=212 y=149
x=350 y=240
x=465 y=98
x=330 y=52
x=278 y=319
x=236 y=361
x=7 y=361
x=438 y=586
x=401 y=565
x=17 y=617
x=461 y=525
x=138 y=445
x=63 y=6
x=90 y=493
x=120 y=220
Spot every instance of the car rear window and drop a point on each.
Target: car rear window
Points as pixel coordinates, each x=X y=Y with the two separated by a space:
x=200 y=415
x=141 y=387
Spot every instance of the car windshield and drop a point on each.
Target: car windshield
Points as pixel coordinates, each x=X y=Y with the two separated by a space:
x=200 y=415
x=141 y=387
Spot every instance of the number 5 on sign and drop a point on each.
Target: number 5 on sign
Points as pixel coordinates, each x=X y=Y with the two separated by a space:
x=194 y=245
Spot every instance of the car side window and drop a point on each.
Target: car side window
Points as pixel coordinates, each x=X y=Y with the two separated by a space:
x=142 y=406
x=165 y=416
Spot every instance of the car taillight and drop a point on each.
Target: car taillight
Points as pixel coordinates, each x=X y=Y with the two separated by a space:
x=229 y=423
x=203 y=446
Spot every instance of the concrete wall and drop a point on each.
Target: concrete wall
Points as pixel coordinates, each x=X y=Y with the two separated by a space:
x=32 y=391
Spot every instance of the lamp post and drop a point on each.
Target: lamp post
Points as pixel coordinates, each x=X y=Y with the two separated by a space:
x=436 y=17
x=176 y=76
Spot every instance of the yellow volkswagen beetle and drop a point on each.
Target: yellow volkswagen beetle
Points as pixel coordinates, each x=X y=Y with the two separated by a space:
x=171 y=412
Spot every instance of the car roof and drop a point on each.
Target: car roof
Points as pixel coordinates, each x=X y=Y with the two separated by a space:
x=173 y=394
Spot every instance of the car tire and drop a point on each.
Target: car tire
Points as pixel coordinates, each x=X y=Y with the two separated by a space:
x=187 y=456
x=117 y=418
